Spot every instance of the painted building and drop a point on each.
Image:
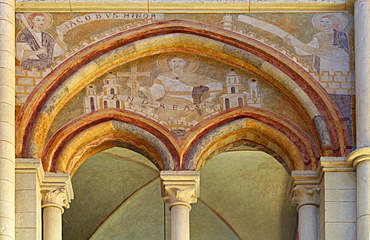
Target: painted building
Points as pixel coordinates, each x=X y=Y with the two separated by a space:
x=113 y=111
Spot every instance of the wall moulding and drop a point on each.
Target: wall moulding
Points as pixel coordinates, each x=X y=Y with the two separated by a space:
x=187 y=7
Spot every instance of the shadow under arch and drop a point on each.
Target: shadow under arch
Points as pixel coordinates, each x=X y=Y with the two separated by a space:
x=37 y=113
x=278 y=137
x=103 y=129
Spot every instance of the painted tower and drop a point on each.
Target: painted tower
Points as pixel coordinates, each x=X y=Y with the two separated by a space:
x=253 y=96
x=111 y=91
x=91 y=100
x=227 y=23
x=234 y=96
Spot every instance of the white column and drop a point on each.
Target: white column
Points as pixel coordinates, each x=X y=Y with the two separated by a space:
x=360 y=160
x=307 y=200
x=362 y=60
x=363 y=198
x=180 y=189
x=305 y=193
x=361 y=156
x=56 y=195
x=7 y=114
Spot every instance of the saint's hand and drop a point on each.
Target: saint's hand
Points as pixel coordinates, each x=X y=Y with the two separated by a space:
x=136 y=85
x=41 y=50
x=60 y=32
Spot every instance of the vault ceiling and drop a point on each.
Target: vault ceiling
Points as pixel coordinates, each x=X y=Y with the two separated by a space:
x=118 y=196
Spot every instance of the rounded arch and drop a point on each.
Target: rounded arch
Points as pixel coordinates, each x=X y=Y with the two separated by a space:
x=80 y=69
x=278 y=137
x=95 y=132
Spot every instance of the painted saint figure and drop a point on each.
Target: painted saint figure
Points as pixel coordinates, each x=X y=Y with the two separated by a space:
x=331 y=48
x=36 y=48
x=181 y=90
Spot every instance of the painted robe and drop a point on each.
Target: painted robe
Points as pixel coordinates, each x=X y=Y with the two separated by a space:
x=335 y=44
x=183 y=95
x=26 y=41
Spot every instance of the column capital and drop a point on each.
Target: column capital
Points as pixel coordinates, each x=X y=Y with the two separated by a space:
x=306 y=195
x=361 y=1
x=56 y=190
x=357 y=156
x=305 y=188
x=180 y=187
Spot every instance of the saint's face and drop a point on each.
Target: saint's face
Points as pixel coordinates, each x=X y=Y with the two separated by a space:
x=177 y=64
x=326 y=23
x=39 y=22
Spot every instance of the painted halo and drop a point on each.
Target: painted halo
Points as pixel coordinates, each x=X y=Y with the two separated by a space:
x=340 y=20
x=190 y=58
x=48 y=19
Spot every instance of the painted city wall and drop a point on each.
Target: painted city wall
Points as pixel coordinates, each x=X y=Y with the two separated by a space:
x=180 y=89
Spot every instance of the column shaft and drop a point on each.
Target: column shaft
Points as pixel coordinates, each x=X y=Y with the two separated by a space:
x=180 y=189
x=362 y=60
x=362 y=46
x=52 y=227
x=7 y=115
x=57 y=193
x=180 y=222
x=308 y=222
x=363 y=198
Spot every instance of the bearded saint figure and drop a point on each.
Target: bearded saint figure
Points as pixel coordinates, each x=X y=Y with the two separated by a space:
x=36 y=48
x=180 y=90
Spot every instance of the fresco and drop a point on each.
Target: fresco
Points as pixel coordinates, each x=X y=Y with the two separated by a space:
x=329 y=47
x=177 y=95
x=35 y=47
x=173 y=88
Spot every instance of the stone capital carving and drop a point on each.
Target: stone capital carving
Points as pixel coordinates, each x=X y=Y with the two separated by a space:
x=56 y=190
x=180 y=187
x=305 y=195
x=55 y=198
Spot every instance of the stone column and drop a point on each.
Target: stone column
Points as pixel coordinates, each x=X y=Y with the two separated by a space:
x=7 y=114
x=180 y=189
x=361 y=156
x=56 y=195
x=305 y=194
x=360 y=161
x=307 y=200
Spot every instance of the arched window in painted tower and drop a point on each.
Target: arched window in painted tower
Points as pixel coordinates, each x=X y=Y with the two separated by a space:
x=240 y=102
x=92 y=105
x=232 y=89
x=118 y=105
x=111 y=91
x=227 y=103
x=105 y=104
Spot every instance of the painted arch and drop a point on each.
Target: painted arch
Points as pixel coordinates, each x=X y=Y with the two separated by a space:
x=316 y=106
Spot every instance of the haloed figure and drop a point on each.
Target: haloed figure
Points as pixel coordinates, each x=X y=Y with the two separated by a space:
x=36 y=48
x=331 y=43
x=181 y=90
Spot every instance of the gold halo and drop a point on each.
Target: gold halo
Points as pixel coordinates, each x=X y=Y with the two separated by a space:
x=48 y=19
x=342 y=20
x=162 y=60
